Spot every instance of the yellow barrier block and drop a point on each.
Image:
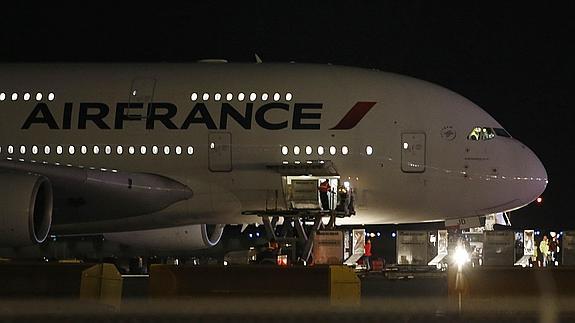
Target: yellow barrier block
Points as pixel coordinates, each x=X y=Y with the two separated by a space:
x=345 y=286
x=486 y=282
x=103 y=283
x=94 y=282
x=337 y=285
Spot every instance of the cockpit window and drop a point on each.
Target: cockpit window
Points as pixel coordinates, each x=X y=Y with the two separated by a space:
x=502 y=132
x=475 y=134
x=481 y=133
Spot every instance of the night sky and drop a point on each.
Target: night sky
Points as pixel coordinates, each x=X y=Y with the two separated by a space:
x=514 y=60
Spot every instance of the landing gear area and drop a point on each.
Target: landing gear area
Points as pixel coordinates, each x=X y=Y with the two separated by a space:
x=296 y=234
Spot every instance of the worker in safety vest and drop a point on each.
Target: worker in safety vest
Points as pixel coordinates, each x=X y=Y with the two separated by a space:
x=324 y=188
x=544 y=248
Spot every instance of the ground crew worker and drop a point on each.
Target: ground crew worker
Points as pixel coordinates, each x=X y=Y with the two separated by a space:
x=274 y=246
x=553 y=251
x=367 y=255
x=324 y=188
x=534 y=261
x=270 y=253
x=544 y=248
x=342 y=197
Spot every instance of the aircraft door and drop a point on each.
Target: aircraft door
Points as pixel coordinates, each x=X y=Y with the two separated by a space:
x=413 y=152
x=141 y=92
x=220 y=151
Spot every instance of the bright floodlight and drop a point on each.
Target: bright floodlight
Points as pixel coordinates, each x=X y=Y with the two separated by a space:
x=461 y=256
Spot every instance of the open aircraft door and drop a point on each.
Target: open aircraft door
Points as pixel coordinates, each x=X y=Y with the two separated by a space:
x=220 y=151
x=300 y=183
x=413 y=152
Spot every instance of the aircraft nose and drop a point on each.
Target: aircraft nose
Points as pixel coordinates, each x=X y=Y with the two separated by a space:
x=534 y=173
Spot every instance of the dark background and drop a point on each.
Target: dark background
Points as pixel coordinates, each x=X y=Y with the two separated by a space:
x=513 y=59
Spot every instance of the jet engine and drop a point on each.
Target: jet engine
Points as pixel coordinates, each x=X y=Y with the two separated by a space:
x=183 y=238
x=25 y=209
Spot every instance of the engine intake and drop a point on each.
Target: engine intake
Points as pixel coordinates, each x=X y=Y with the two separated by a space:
x=26 y=202
x=212 y=233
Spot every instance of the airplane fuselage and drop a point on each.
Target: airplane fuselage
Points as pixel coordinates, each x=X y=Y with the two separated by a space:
x=402 y=144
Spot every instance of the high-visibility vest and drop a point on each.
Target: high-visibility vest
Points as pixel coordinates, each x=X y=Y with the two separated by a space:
x=544 y=247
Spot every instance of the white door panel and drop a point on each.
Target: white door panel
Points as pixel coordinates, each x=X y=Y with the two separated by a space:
x=220 y=151
x=142 y=91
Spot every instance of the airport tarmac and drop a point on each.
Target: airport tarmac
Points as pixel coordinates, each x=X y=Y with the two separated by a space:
x=373 y=285
x=403 y=297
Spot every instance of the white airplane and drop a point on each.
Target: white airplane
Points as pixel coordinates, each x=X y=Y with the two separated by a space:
x=163 y=155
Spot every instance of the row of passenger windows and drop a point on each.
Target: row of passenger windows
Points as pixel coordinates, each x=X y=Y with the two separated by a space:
x=486 y=133
x=321 y=150
x=166 y=150
x=26 y=96
x=240 y=96
x=71 y=150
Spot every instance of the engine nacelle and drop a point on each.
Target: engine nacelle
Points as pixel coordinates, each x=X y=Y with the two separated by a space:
x=184 y=238
x=25 y=209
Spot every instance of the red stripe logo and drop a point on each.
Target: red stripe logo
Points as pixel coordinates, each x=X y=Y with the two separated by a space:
x=354 y=116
